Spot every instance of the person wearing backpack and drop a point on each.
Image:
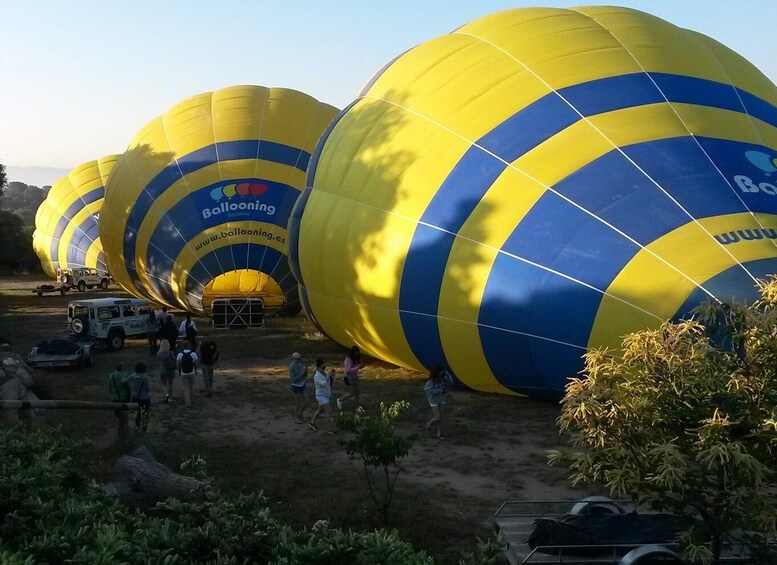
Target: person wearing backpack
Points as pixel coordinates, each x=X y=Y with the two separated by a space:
x=209 y=354
x=140 y=381
x=119 y=389
x=187 y=368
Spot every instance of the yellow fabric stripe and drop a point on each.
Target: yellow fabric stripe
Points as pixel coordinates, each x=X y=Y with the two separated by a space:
x=651 y=284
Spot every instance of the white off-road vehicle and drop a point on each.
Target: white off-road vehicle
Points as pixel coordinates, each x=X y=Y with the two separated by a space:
x=110 y=320
x=83 y=278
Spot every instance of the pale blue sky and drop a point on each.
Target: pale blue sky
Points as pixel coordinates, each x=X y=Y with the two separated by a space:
x=81 y=77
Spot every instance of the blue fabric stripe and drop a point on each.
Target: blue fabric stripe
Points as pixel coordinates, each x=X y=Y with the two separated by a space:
x=536 y=123
x=731 y=285
x=226 y=151
x=78 y=205
x=82 y=240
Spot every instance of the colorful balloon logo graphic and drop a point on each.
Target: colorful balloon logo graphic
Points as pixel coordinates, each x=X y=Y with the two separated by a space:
x=534 y=184
x=763 y=161
x=241 y=189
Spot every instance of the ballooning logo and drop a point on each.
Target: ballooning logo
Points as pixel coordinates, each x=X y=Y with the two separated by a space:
x=763 y=161
x=767 y=164
x=239 y=189
x=237 y=200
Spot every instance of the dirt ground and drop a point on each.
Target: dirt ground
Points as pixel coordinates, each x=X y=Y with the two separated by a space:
x=495 y=446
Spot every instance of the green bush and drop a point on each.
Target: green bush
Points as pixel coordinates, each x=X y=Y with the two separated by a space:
x=51 y=512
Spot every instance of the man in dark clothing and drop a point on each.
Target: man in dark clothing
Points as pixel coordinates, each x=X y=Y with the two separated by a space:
x=209 y=354
x=188 y=330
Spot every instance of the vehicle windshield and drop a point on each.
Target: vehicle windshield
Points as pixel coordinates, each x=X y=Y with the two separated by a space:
x=75 y=310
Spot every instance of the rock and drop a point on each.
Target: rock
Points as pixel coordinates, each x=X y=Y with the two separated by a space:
x=140 y=480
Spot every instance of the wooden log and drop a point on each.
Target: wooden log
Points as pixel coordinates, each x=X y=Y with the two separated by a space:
x=65 y=404
x=140 y=480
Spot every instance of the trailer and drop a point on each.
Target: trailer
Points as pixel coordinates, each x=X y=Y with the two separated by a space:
x=50 y=288
x=517 y=522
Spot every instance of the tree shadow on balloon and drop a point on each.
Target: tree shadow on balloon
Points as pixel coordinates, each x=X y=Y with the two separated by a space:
x=126 y=191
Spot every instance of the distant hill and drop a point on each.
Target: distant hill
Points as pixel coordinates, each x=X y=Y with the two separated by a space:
x=37 y=176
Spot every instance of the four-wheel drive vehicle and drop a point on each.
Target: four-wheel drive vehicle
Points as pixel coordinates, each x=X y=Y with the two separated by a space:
x=109 y=320
x=83 y=278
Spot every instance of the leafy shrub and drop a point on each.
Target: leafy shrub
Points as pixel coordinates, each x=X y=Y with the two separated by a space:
x=51 y=512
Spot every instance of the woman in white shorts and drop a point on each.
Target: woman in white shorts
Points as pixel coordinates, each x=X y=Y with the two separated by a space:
x=323 y=380
x=435 y=388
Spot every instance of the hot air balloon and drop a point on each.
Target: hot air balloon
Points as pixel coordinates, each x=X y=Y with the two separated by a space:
x=197 y=206
x=66 y=224
x=534 y=184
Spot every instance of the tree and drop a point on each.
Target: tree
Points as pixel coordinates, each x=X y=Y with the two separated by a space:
x=15 y=244
x=3 y=178
x=381 y=449
x=685 y=421
x=25 y=196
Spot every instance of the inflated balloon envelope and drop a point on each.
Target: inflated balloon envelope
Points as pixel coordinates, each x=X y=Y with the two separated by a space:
x=67 y=231
x=197 y=207
x=536 y=183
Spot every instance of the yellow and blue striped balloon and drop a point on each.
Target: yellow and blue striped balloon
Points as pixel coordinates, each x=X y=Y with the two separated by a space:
x=67 y=222
x=534 y=184
x=197 y=206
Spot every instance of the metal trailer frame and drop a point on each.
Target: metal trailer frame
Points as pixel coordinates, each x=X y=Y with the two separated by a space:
x=515 y=520
x=229 y=313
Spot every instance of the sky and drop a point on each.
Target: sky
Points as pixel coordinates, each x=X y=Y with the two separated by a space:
x=80 y=78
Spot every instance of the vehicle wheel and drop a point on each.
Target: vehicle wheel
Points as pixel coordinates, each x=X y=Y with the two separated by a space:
x=79 y=325
x=597 y=505
x=650 y=554
x=104 y=284
x=115 y=341
x=39 y=293
x=81 y=286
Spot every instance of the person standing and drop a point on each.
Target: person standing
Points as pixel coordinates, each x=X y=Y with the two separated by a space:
x=140 y=381
x=435 y=389
x=351 y=367
x=323 y=380
x=170 y=332
x=187 y=368
x=209 y=354
x=188 y=330
x=152 y=331
x=298 y=373
x=168 y=363
x=119 y=389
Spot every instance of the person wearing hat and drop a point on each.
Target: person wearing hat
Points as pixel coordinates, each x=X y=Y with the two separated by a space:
x=298 y=373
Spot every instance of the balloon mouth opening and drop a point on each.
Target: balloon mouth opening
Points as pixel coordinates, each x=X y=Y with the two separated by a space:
x=246 y=283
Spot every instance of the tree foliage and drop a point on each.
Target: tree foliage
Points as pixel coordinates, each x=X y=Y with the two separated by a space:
x=52 y=512
x=3 y=178
x=685 y=421
x=381 y=449
x=18 y=195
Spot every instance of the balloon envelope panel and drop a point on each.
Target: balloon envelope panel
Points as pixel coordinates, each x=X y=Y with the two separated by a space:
x=67 y=222
x=536 y=183
x=200 y=200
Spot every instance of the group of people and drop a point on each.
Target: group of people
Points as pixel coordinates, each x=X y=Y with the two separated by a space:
x=161 y=328
x=435 y=389
x=184 y=362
